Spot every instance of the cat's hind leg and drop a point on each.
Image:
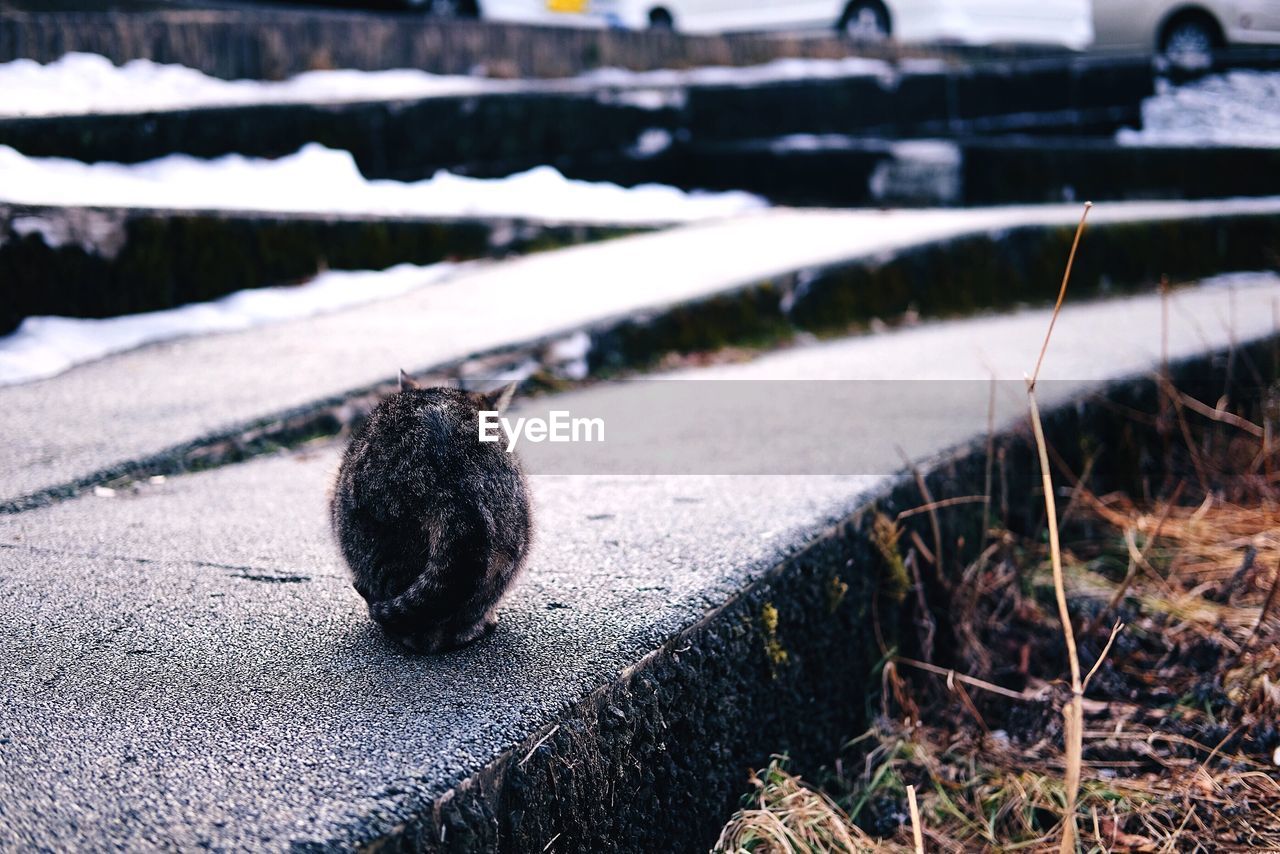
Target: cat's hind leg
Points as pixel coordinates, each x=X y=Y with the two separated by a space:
x=469 y=632
x=423 y=642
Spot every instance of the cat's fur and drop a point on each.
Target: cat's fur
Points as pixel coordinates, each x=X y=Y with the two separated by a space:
x=434 y=524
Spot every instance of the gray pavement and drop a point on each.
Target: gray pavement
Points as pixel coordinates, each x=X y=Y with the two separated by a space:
x=142 y=403
x=184 y=663
x=212 y=678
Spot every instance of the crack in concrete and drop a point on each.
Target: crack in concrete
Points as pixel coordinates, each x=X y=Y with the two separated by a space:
x=250 y=573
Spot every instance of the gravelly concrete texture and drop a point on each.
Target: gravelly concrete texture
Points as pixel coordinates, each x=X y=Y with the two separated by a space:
x=108 y=413
x=185 y=663
x=211 y=678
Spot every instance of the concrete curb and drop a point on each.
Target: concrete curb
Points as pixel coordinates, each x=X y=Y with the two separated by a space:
x=197 y=640
x=981 y=272
x=786 y=666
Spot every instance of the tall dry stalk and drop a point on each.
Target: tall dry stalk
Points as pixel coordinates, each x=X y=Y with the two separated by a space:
x=1073 y=714
x=917 y=833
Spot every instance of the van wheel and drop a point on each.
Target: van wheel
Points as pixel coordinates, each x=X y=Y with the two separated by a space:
x=1190 y=39
x=660 y=19
x=865 y=21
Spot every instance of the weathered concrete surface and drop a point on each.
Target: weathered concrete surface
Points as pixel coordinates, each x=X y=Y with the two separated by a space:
x=200 y=671
x=689 y=288
x=187 y=665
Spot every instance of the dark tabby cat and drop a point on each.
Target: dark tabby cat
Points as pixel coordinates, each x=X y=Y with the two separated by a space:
x=434 y=524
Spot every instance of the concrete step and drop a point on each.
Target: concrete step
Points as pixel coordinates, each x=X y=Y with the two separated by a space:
x=187 y=665
x=199 y=401
x=103 y=262
x=563 y=123
x=847 y=171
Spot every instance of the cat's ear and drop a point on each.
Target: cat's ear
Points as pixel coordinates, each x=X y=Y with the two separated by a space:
x=499 y=399
x=406 y=381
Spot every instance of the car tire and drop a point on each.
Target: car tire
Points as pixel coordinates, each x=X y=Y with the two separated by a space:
x=865 y=21
x=660 y=20
x=1188 y=41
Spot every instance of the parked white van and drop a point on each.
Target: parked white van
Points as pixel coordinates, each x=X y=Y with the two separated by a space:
x=1054 y=22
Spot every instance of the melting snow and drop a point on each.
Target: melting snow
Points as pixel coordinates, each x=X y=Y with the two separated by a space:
x=1241 y=108
x=45 y=346
x=88 y=83
x=80 y=83
x=322 y=180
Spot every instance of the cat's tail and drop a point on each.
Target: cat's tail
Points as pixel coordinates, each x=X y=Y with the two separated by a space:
x=418 y=604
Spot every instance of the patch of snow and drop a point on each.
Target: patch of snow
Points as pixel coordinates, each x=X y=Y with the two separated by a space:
x=572 y=348
x=79 y=83
x=936 y=151
x=814 y=142
x=517 y=374
x=568 y=356
x=920 y=171
x=911 y=149
x=651 y=142
x=46 y=346
x=322 y=180
x=776 y=71
x=1241 y=279
x=88 y=83
x=923 y=65
x=96 y=231
x=54 y=233
x=651 y=99
x=1240 y=108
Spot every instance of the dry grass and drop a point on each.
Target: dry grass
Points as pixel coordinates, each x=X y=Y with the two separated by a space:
x=1177 y=746
x=1179 y=736
x=1073 y=712
x=788 y=816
